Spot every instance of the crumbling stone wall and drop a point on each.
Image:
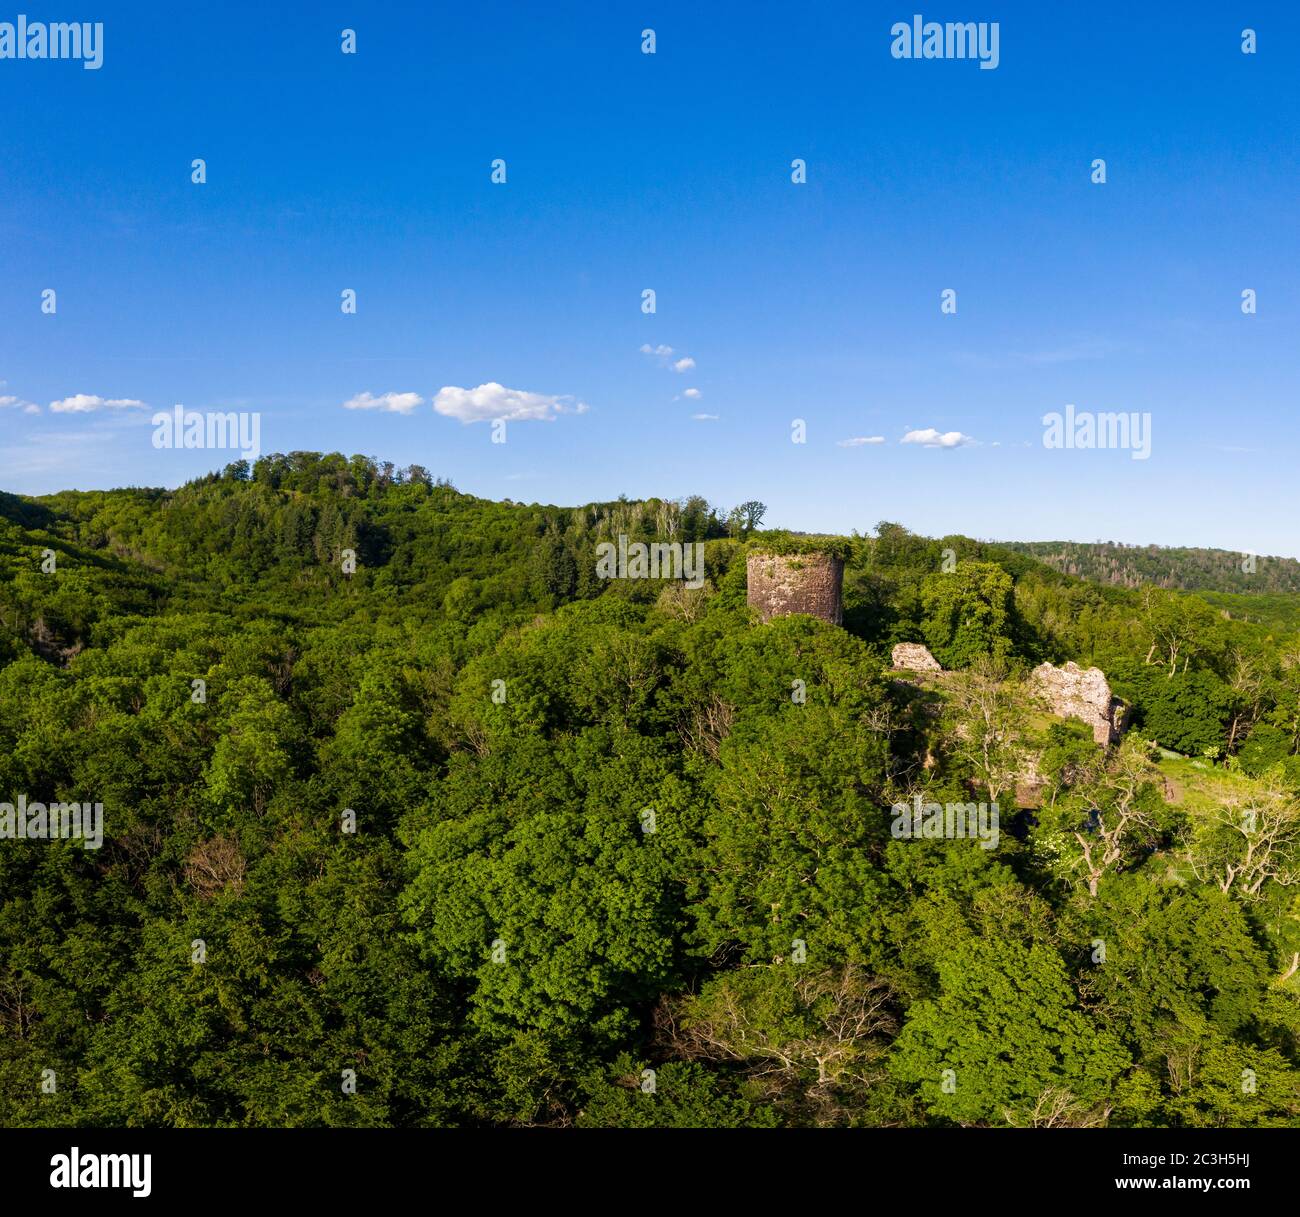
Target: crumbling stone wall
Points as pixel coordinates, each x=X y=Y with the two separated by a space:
x=914 y=657
x=1082 y=693
x=812 y=583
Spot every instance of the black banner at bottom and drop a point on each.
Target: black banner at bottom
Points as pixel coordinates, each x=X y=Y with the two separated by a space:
x=93 y=1167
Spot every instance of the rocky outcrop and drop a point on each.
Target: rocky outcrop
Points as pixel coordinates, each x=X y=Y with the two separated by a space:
x=1082 y=693
x=913 y=657
x=780 y=584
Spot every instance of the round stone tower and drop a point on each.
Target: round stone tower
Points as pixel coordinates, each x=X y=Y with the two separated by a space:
x=811 y=582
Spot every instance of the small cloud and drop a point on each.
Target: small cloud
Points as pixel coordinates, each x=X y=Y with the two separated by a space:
x=693 y=394
x=664 y=354
x=1069 y=352
x=930 y=438
x=393 y=403
x=17 y=403
x=705 y=418
x=88 y=403
x=493 y=401
x=859 y=441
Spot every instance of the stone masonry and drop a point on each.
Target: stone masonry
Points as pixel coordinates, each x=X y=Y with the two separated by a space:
x=914 y=658
x=1075 y=692
x=812 y=583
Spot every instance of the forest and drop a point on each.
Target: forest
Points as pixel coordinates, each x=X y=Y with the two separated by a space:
x=1193 y=570
x=411 y=819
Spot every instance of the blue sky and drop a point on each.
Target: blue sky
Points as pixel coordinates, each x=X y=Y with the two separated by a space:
x=672 y=171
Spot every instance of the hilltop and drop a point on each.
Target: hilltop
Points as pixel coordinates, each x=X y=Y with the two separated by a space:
x=1174 y=567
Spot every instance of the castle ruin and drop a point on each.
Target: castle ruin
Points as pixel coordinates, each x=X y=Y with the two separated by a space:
x=913 y=657
x=1082 y=693
x=781 y=584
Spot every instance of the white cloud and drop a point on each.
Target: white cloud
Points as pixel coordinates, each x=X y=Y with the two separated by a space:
x=664 y=354
x=705 y=418
x=693 y=394
x=930 y=438
x=87 y=403
x=858 y=441
x=492 y=401
x=393 y=403
x=17 y=403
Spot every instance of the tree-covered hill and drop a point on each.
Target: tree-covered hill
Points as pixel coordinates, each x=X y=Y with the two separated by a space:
x=1180 y=568
x=411 y=818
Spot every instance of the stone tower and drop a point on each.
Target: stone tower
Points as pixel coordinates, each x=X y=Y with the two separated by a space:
x=812 y=583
